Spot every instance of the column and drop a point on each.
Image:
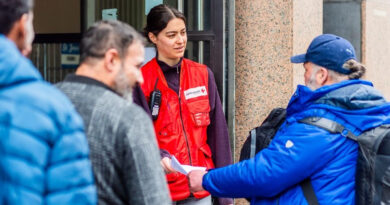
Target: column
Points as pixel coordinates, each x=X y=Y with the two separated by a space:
x=267 y=34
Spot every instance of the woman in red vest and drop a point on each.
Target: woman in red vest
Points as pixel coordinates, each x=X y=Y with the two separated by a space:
x=182 y=98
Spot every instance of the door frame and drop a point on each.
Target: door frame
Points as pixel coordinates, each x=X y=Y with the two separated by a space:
x=215 y=36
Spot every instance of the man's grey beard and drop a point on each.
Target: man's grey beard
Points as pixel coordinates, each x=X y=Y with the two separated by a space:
x=312 y=84
x=123 y=87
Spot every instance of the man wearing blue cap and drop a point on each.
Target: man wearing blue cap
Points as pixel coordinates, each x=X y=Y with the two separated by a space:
x=301 y=152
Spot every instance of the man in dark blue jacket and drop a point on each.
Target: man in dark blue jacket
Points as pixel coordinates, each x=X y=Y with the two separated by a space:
x=43 y=149
x=300 y=151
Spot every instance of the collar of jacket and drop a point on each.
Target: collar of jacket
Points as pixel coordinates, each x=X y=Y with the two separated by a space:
x=14 y=67
x=304 y=96
x=165 y=67
x=87 y=80
x=353 y=103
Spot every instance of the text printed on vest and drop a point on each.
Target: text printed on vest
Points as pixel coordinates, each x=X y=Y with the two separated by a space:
x=195 y=92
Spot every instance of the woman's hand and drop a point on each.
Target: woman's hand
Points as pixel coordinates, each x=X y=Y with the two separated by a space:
x=166 y=165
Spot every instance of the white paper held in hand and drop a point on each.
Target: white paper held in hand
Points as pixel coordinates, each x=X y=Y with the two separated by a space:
x=184 y=169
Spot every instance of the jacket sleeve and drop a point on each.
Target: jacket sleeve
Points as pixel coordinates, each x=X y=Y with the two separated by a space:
x=217 y=132
x=143 y=175
x=69 y=175
x=294 y=154
x=140 y=99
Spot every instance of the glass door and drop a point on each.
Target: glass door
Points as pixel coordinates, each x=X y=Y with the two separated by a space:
x=204 y=22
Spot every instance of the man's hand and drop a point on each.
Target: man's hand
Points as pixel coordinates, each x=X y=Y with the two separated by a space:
x=195 y=178
x=166 y=165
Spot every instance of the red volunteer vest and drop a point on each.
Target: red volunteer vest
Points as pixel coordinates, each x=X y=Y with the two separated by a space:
x=181 y=126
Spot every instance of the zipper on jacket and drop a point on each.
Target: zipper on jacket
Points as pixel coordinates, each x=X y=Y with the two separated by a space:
x=181 y=119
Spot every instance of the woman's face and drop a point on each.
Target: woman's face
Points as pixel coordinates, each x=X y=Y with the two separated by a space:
x=171 y=41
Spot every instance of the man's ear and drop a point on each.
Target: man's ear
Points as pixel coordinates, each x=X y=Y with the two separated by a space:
x=18 y=33
x=111 y=59
x=152 y=37
x=22 y=26
x=322 y=76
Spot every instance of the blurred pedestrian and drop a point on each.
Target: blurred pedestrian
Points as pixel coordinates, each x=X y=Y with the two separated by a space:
x=44 y=152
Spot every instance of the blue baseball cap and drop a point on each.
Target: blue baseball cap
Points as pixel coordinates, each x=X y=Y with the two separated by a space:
x=328 y=51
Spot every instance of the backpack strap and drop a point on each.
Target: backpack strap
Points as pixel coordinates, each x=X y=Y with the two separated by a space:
x=332 y=127
x=308 y=192
x=253 y=143
x=329 y=125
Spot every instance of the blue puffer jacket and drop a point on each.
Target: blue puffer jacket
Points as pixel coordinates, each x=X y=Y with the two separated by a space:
x=44 y=152
x=301 y=151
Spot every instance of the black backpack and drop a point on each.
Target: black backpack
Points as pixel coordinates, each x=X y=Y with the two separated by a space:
x=260 y=137
x=373 y=166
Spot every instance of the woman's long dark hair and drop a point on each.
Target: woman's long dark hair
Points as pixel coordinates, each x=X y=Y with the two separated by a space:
x=158 y=19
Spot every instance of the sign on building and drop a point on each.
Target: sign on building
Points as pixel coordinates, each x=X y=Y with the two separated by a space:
x=110 y=14
x=149 y=4
x=70 y=55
